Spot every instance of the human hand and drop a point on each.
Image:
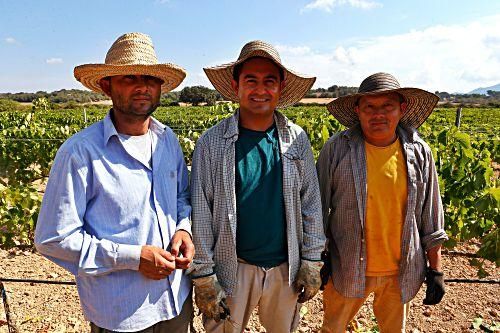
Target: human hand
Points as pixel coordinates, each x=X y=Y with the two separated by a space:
x=210 y=298
x=182 y=244
x=435 y=287
x=308 y=279
x=156 y=263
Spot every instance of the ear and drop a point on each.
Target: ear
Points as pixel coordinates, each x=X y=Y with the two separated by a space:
x=234 y=84
x=356 y=109
x=404 y=107
x=105 y=86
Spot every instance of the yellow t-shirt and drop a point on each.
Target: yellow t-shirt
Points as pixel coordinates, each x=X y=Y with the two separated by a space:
x=387 y=186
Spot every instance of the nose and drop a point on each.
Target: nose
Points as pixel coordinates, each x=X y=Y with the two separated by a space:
x=141 y=83
x=260 y=88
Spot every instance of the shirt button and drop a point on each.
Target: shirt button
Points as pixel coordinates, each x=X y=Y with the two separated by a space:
x=361 y=258
x=362 y=240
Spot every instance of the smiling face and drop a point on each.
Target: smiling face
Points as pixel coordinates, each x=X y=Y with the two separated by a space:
x=133 y=95
x=258 y=87
x=379 y=116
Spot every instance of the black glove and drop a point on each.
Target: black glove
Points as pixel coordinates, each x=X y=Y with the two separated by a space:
x=326 y=270
x=435 y=287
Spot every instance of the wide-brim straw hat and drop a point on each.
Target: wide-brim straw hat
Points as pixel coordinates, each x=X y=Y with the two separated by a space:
x=420 y=103
x=297 y=85
x=130 y=54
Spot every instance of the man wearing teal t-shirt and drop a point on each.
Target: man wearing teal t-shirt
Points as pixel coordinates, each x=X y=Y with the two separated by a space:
x=256 y=206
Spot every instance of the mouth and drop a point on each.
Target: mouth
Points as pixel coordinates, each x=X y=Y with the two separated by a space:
x=142 y=99
x=259 y=100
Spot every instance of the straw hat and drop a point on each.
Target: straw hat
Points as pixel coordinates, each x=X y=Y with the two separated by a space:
x=130 y=54
x=296 y=86
x=420 y=102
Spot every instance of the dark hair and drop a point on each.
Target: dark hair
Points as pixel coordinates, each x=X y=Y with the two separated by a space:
x=402 y=99
x=238 y=67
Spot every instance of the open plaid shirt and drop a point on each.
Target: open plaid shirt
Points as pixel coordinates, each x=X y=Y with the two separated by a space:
x=342 y=177
x=214 y=200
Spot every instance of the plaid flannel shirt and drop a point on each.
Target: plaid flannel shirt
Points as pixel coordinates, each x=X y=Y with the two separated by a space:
x=213 y=200
x=342 y=176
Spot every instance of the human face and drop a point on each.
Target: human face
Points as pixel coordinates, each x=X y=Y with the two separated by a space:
x=379 y=116
x=133 y=95
x=258 y=87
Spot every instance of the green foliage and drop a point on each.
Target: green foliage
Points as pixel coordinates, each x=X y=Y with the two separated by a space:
x=41 y=104
x=469 y=190
x=8 y=105
x=19 y=207
x=199 y=94
x=464 y=159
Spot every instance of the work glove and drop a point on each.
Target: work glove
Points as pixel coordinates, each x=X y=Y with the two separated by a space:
x=210 y=298
x=435 y=287
x=308 y=280
x=326 y=270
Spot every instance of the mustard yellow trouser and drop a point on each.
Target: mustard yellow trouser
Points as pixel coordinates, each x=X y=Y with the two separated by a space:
x=387 y=306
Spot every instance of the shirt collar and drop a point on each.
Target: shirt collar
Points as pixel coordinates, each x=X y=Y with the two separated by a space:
x=110 y=130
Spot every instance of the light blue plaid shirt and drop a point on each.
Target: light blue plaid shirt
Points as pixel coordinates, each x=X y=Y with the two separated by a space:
x=101 y=205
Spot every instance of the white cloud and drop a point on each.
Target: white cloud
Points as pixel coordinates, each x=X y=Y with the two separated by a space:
x=10 y=40
x=455 y=58
x=53 y=61
x=329 y=5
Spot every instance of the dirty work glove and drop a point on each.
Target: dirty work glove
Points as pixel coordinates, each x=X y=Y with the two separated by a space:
x=308 y=279
x=435 y=287
x=210 y=298
x=326 y=270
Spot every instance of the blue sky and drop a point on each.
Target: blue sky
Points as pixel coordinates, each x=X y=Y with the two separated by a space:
x=437 y=45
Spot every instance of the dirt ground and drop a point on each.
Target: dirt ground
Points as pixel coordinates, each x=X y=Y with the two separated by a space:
x=44 y=308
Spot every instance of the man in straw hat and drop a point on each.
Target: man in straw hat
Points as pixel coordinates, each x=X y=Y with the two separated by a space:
x=116 y=210
x=256 y=203
x=381 y=206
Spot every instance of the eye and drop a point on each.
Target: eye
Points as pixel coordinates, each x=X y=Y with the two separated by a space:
x=154 y=79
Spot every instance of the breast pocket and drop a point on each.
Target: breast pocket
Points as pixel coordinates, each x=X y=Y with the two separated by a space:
x=293 y=168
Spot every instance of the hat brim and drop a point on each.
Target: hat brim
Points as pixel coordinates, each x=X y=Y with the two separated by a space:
x=90 y=74
x=296 y=85
x=420 y=104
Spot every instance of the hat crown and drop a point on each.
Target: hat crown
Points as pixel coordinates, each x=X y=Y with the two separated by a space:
x=132 y=49
x=259 y=48
x=378 y=82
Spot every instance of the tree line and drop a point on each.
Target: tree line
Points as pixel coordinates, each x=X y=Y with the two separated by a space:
x=197 y=95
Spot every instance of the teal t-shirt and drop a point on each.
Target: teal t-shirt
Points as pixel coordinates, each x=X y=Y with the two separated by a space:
x=261 y=229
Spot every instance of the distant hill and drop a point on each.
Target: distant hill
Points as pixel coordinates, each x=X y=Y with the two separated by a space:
x=483 y=91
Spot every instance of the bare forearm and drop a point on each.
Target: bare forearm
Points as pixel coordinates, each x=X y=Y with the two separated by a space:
x=434 y=257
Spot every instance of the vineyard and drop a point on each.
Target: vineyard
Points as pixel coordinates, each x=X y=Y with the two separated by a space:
x=467 y=159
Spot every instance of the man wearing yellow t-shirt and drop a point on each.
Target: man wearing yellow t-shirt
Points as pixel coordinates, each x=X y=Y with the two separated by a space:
x=382 y=210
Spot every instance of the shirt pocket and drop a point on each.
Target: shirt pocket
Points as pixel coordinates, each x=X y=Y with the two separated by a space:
x=293 y=169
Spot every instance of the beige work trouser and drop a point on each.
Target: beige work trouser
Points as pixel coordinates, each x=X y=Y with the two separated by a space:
x=387 y=306
x=267 y=288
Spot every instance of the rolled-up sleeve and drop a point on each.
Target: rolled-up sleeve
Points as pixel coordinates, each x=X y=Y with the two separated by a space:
x=202 y=201
x=60 y=233
x=312 y=223
x=433 y=232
